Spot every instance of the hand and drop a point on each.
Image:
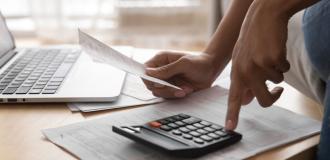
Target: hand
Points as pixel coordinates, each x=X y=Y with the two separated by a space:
x=189 y=72
x=259 y=55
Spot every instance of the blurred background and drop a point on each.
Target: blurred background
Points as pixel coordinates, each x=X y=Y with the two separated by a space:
x=170 y=24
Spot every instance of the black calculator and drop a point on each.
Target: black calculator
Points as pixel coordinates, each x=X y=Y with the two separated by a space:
x=181 y=135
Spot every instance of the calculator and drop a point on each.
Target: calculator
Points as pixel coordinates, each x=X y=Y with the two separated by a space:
x=181 y=135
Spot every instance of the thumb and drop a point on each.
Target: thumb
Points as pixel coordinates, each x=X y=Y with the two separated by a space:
x=166 y=71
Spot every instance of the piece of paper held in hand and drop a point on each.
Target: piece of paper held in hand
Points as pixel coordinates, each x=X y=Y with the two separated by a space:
x=105 y=54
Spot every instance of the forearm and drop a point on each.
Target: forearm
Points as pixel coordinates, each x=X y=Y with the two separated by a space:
x=284 y=8
x=222 y=43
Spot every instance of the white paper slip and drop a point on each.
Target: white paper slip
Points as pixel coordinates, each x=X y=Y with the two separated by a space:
x=105 y=54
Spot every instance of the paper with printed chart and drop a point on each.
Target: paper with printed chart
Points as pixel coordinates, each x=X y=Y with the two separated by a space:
x=105 y=54
x=262 y=129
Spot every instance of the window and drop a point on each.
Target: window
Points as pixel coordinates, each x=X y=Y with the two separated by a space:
x=137 y=22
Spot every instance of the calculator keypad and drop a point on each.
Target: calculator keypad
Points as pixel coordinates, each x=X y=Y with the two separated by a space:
x=191 y=128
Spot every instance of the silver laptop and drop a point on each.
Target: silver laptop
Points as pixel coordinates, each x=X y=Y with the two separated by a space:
x=53 y=74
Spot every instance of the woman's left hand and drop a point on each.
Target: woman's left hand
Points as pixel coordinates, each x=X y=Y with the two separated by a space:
x=259 y=55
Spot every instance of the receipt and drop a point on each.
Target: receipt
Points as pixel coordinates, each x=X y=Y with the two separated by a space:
x=102 y=53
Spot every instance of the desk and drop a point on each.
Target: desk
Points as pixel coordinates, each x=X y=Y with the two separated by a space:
x=21 y=138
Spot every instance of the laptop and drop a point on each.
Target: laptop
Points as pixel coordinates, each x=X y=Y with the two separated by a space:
x=53 y=74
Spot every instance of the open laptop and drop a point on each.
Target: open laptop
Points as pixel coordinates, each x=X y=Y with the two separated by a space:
x=52 y=74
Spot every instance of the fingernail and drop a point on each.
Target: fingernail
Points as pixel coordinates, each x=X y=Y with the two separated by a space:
x=229 y=125
x=179 y=94
x=157 y=85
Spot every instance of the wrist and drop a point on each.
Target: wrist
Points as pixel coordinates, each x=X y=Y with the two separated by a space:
x=217 y=62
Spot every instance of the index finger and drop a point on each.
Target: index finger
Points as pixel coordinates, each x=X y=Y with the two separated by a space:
x=234 y=104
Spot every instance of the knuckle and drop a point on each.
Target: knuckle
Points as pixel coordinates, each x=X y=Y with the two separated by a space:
x=277 y=78
x=280 y=78
x=287 y=66
x=186 y=61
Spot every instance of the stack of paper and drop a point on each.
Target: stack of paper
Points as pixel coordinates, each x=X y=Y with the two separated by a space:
x=134 y=94
x=262 y=129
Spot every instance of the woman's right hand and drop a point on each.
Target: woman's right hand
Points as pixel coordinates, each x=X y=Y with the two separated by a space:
x=189 y=72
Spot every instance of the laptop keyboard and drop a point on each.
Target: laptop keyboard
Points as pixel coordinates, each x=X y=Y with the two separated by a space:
x=38 y=71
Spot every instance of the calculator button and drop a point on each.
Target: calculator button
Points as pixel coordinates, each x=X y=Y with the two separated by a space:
x=177 y=132
x=190 y=127
x=205 y=123
x=155 y=124
x=191 y=120
x=184 y=116
x=198 y=125
x=170 y=119
x=199 y=141
x=216 y=127
x=220 y=133
x=173 y=125
x=187 y=136
x=177 y=117
x=194 y=133
x=184 y=129
x=179 y=123
x=206 y=138
x=165 y=128
x=201 y=131
x=209 y=129
x=213 y=135
x=163 y=121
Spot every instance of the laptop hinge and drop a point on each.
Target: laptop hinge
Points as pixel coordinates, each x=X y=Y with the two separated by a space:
x=6 y=57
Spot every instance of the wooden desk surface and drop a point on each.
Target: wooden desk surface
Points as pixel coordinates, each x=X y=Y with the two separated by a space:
x=21 y=138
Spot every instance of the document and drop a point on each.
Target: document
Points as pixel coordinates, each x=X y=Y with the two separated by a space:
x=105 y=54
x=262 y=129
x=134 y=94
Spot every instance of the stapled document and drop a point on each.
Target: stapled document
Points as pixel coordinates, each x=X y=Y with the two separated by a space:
x=105 y=54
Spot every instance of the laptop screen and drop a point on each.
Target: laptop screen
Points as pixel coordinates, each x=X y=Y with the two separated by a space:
x=6 y=39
